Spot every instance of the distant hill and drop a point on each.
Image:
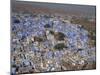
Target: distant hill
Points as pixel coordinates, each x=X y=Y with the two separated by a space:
x=41 y=7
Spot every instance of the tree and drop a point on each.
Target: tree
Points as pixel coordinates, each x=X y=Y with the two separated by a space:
x=59 y=46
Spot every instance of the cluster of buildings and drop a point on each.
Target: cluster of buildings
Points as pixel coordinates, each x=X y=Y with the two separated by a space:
x=46 y=43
